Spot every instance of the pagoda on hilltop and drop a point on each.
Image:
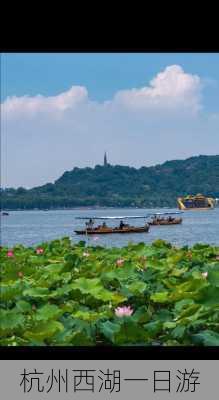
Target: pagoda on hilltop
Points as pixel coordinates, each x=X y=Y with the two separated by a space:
x=105 y=163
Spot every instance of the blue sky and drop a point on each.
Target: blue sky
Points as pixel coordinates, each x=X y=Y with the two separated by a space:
x=102 y=73
x=111 y=93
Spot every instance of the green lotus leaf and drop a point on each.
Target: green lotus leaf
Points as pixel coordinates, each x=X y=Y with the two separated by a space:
x=192 y=285
x=52 y=261
x=209 y=296
x=11 y=321
x=109 y=330
x=94 y=288
x=64 y=338
x=48 y=312
x=73 y=261
x=10 y=290
x=182 y=304
x=13 y=341
x=142 y=315
x=60 y=292
x=122 y=274
x=164 y=315
x=56 y=267
x=169 y=325
x=206 y=338
x=137 y=287
x=69 y=306
x=190 y=311
x=89 y=315
x=43 y=331
x=178 y=332
x=178 y=272
x=153 y=328
x=23 y=306
x=36 y=260
x=124 y=332
x=79 y=338
x=213 y=277
x=130 y=333
x=162 y=297
x=37 y=292
x=86 y=285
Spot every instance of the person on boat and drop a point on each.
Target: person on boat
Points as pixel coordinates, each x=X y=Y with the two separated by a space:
x=104 y=225
x=121 y=225
x=90 y=224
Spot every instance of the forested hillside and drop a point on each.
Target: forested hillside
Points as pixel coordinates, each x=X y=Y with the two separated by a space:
x=121 y=186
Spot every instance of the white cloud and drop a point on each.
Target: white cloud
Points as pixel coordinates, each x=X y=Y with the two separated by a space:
x=32 y=105
x=171 y=89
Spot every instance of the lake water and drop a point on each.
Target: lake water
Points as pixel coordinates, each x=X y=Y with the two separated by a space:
x=33 y=227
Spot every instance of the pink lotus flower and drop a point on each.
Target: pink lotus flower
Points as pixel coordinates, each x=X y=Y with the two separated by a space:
x=205 y=274
x=39 y=250
x=95 y=238
x=120 y=262
x=10 y=253
x=123 y=311
x=86 y=254
x=20 y=274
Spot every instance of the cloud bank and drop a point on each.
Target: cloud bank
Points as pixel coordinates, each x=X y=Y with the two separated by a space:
x=169 y=90
x=44 y=136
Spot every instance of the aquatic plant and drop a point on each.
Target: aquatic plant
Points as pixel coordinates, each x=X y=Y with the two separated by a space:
x=77 y=294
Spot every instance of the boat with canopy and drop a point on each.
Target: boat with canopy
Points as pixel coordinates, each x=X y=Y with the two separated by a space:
x=91 y=229
x=165 y=218
x=159 y=218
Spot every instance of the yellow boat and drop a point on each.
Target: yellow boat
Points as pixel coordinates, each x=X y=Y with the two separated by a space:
x=196 y=202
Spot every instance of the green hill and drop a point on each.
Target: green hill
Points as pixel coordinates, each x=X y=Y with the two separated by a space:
x=121 y=186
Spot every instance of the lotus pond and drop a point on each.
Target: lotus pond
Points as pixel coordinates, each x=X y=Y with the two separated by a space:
x=64 y=294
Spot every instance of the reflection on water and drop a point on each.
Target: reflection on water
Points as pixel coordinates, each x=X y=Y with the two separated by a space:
x=32 y=227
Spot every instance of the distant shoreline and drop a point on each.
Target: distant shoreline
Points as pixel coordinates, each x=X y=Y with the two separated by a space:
x=85 y=208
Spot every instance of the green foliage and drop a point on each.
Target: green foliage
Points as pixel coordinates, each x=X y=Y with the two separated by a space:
x=208 y=338
x=64 y=298
x=156 y=186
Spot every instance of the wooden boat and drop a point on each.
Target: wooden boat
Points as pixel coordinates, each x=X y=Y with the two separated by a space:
x=98 y=231
x=104 y=229
x=165 y=221
x=160 y=218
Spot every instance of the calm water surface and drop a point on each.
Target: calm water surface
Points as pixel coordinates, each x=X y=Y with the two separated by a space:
x=33 y=227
